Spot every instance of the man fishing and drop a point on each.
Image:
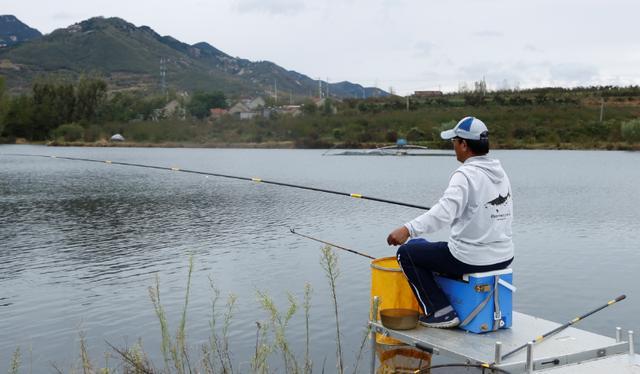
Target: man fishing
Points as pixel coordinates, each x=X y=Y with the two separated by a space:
x=477 y=206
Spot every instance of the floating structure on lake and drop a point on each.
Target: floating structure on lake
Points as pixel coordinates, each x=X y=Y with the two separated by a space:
x=401 y=148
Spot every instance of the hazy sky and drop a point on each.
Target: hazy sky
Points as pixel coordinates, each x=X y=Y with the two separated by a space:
x=404 y=44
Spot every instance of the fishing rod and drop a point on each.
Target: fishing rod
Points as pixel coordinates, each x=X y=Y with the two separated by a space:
x=257 y=180
x=293 y=231
x=564 y=326
x=461 y=365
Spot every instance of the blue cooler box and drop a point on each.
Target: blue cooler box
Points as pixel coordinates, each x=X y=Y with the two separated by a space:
x=467 y=293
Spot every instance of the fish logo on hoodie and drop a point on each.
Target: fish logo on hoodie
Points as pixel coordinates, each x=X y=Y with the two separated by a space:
x=498 y=203
x=499 y=200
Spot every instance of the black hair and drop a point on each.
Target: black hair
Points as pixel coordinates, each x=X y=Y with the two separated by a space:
x=479 y=147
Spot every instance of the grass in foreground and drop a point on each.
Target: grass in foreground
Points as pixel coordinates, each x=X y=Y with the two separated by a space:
x=273 y=351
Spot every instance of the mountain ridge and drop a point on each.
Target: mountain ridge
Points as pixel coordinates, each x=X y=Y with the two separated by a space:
x=129 y=56
x=14 y=31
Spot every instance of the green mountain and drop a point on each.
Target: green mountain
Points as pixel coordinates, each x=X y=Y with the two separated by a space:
x=12 y=31
x=129 y=57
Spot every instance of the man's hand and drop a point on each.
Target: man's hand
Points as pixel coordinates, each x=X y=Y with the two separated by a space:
x=398 y=236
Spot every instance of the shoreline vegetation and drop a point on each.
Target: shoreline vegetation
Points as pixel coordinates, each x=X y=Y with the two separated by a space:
x=273 y=352
x=608 y=146
x=87 y=113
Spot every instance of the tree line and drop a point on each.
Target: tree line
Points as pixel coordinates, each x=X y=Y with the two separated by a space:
x=50 y=105
x=85 y=111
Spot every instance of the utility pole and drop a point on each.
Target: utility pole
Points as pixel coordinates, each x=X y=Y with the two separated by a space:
x=484 y=86
x=407 y=103
x=319 y=89
x=275 y=88
x=163 y=75
x=327 y=87
x=601 y=109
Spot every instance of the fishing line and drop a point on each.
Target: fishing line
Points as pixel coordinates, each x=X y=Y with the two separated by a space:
x=254 y=179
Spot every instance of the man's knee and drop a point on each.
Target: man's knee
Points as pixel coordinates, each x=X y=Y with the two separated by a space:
x=403 y=252
x=411 y=245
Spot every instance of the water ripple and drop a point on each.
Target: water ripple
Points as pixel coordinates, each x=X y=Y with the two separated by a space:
x=80 y=243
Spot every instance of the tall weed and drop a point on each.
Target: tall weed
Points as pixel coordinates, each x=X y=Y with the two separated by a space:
x=329 y=262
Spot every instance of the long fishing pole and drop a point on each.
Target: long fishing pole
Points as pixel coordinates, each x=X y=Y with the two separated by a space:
x=258 y=180
x=293 y=231
x=562 y=327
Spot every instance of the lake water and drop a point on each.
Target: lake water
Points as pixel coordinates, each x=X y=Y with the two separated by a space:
x=81 y=242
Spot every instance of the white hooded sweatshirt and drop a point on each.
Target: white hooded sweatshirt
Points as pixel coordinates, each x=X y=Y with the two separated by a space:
x=478 y=204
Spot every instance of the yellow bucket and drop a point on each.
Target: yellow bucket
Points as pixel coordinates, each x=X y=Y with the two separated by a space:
x=393 y=290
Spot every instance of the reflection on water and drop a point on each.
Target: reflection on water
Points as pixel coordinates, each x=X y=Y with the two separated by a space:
x=81 y=242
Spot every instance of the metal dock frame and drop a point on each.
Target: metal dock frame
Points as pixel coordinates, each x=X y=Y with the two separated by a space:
x=570 y=346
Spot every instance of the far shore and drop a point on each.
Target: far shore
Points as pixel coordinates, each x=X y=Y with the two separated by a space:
x=608 y=146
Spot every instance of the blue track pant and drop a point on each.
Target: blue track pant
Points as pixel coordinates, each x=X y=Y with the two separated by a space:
x=420 y=258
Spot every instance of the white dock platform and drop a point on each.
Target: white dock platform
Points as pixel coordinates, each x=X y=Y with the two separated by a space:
x=570 y=349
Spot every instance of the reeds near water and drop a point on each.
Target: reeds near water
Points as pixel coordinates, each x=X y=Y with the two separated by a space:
x=329 y=262
x=272 y=347
x=16 y=359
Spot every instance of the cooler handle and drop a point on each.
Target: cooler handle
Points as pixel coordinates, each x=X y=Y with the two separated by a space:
x=507 y=285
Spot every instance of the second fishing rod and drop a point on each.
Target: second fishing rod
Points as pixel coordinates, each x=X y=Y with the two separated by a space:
x=252 y=179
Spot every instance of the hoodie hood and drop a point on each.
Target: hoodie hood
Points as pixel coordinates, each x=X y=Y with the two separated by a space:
x=492 y=168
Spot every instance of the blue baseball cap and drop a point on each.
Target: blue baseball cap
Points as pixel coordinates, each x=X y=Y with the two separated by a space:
x=468 y=128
